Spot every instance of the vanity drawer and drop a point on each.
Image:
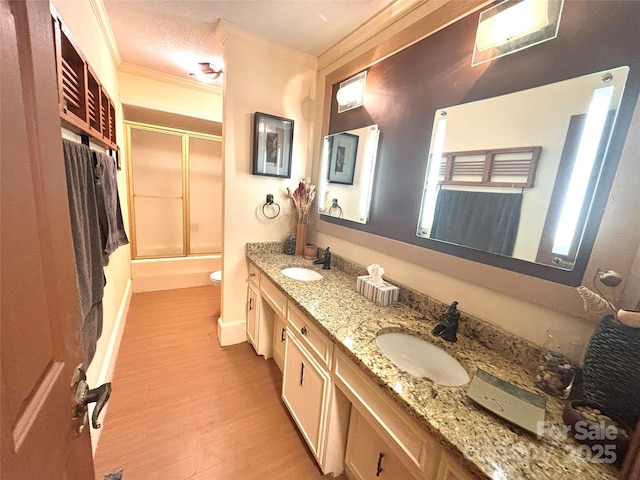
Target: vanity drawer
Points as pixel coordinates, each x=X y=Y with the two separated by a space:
x=310 y=335
x=254 y=274
x=272 y=294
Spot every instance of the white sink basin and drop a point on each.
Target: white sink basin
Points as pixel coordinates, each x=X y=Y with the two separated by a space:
x=422 y=359
x=302 y=274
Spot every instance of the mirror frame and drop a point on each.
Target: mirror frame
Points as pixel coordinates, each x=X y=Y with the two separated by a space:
x=558 y=274
x=365 y=172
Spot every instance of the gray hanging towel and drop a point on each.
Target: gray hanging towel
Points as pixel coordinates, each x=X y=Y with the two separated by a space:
x=86 y=242
x=483 y=220
x=112 y=231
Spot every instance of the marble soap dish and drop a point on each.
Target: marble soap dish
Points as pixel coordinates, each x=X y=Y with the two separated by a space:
x=504 y=399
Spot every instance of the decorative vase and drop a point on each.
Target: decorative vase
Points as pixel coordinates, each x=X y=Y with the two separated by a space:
x=558 y=363
x=612 y=370
x=290 y=245
x=310 y=252
x=301 y=237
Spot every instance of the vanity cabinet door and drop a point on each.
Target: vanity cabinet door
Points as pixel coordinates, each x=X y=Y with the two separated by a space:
x=368 y=456
x=450 y=469
x=279 y=341
x=252 y=315
x=305 y=390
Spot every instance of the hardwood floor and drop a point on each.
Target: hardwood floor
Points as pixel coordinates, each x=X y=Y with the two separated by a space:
x=183 y=407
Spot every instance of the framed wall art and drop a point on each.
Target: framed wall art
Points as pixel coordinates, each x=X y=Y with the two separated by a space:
x=272 y=143
x=342 y=162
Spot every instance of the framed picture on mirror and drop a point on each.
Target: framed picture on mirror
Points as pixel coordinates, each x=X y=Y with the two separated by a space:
x=342 y=162
x=272 y=145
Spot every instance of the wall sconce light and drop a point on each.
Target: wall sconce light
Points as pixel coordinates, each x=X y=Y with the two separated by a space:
x=351 y=92
x=207 y=72
x=514 y=25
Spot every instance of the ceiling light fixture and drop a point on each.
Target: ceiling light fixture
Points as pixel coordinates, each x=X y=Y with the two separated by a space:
x=514 y=25
x=205 y=70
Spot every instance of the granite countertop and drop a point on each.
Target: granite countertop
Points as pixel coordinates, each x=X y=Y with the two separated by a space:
x=487 y=445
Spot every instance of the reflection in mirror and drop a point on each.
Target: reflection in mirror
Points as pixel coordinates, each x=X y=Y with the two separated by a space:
x=515 y=175
x=346 y=173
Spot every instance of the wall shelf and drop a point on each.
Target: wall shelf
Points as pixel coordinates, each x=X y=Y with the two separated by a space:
x=85 y=107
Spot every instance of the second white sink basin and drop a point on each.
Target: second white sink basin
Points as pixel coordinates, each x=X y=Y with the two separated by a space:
x=422 y=359
x=302 y=274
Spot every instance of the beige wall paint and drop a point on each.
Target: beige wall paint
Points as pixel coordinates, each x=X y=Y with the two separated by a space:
x=151 y=90
x=259 y=77
x=522 y=305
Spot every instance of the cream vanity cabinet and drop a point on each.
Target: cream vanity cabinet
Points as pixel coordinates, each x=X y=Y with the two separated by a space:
x=368 y=456
x=279 y=341
x=383 y=441
x=253 y=297
x=266 y=309
x=450 y=469
x=348 y=422
x=309 y=393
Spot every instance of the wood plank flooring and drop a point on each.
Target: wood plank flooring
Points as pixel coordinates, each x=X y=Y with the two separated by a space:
x=183 y=407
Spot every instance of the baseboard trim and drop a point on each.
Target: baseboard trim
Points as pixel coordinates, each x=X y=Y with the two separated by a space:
x=109 y=363
x=231 y=333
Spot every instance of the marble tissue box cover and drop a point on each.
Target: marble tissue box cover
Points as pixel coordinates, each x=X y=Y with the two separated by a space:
x=383 y=295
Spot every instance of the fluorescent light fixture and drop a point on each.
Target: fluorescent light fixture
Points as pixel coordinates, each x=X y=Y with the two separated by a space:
x=366 y=181
x=322 y=184
x=430 y=194
x=351 y=92
x=514 y=25
x=582 y=169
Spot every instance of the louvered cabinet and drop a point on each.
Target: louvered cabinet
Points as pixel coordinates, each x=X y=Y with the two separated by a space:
x=85 y=107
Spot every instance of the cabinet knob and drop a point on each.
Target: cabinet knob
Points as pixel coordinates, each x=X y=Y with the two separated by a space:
x=303 y=330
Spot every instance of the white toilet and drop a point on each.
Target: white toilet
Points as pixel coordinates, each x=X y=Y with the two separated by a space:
x=216 y=277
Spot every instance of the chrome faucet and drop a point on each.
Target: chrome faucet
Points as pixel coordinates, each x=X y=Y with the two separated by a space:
x=447 y=329
x=324 y=261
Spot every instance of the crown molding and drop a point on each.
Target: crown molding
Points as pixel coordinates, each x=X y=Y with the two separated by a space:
x=97 y=6
x=225 y=31
x=169 y=79
x=401 y=16
x=383 y=20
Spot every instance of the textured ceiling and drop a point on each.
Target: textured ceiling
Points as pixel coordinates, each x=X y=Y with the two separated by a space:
x=173 y=36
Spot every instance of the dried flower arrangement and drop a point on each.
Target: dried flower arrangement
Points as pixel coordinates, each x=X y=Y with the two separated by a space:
x=302 y=198
x=600 y=304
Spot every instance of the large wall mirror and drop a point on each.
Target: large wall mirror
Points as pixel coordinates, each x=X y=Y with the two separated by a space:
x=347 y=172
x=515 y=175
x=410 y=91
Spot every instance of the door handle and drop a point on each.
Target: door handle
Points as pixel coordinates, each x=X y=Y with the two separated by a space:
x=83 y=396
x=282 y=335
x=250 y=304
x=301 y=373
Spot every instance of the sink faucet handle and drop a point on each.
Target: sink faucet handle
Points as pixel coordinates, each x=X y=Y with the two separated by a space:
x=325 y=261
x=447 y=329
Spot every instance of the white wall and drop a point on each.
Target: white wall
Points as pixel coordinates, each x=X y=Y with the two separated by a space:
x=80 y=19
x=259 y=77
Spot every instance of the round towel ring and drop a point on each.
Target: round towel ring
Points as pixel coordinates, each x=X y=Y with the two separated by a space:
x=273 y=204
x=336 y=207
